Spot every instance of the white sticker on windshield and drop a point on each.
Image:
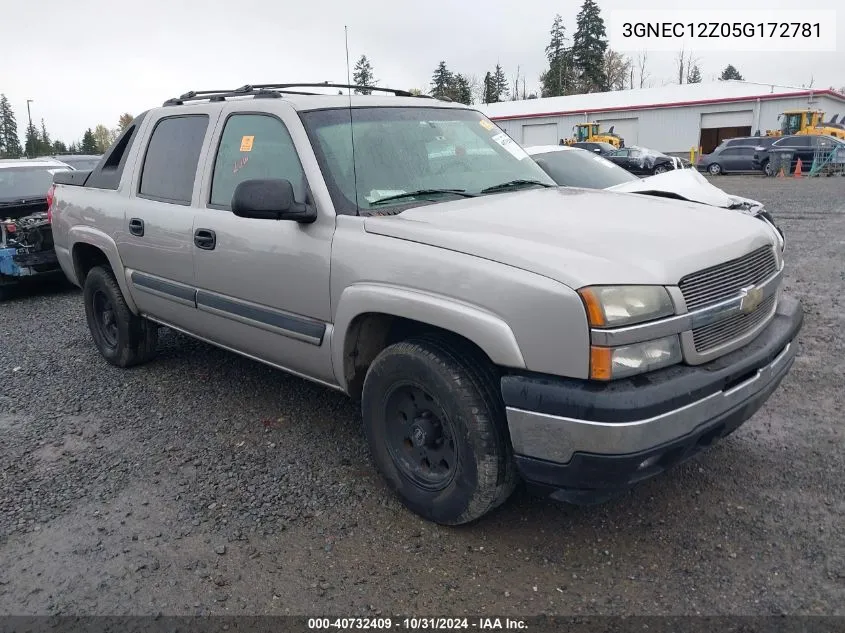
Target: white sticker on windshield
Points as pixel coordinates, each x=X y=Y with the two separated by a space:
x=508 y=143
x=378 y=194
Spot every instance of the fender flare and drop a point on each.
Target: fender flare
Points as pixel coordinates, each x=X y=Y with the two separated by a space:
x=88 y=235
x=488 y=331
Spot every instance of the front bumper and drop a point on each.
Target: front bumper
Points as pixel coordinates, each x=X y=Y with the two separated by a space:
x=583 y=441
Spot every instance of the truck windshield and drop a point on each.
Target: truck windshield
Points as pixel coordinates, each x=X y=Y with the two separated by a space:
x=26 y=182
x=580 y=168
x=399 y=150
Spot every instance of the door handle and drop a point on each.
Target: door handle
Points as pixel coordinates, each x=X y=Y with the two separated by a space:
x=136 y=227
x=205 y=239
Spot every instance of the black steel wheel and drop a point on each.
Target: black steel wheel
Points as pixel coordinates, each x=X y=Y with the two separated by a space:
x=123 y=338
x=420 y=437
x=104 y=318
x=435 y=422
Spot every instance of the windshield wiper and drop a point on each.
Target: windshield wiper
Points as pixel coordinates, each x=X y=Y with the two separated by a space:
x=424 y=192
x=513 y=184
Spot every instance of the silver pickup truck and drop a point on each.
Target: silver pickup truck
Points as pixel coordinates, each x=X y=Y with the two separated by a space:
x=404 y=250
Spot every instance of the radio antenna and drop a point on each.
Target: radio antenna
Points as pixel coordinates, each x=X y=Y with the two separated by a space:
x=351 y=131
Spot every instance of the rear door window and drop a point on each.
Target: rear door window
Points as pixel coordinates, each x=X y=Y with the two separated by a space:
x=254 y=146
x=170 y=164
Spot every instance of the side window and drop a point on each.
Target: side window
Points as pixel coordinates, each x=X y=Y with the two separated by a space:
x=621 y=152
x=254 y=146
x=170 y=164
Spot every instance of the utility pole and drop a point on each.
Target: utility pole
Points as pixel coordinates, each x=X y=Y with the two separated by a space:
x=29 y=116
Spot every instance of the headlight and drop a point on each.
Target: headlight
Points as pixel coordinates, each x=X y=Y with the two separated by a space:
x=612 y=306
x=610 y=363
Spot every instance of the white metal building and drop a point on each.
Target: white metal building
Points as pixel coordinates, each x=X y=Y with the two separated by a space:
x=670 y=119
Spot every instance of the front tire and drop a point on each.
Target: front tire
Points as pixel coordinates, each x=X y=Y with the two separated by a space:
x=768 y=168
x=660 y=169
x=715 y=169
x=123 y=338
x=436 y=426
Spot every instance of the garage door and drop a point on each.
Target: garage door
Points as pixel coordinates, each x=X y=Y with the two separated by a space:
x=539 y=134
x=626 y=128
x=740 y=118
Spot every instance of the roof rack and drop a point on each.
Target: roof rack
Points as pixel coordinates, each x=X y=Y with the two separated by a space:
x=273 y=91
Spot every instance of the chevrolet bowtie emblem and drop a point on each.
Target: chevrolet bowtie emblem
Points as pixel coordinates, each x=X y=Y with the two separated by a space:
x=752 y=297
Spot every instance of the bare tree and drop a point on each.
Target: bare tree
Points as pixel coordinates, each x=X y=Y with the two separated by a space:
x=515 y=93
x=686 y=62
x=476 y=87
x=681 y=59
x=642 y=60
x=616 y=68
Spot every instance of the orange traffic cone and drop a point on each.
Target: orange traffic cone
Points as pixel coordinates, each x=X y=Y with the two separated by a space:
x=797 y=173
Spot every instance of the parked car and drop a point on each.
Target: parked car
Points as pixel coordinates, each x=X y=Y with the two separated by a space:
x=733 y=155
x=83 y=162
x=803 y=146
x=643 y=161
x=572 y=167
x=492 y=324
x=26 y=239
x=602 y=149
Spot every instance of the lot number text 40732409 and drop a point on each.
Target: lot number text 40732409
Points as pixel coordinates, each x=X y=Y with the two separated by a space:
x=416 y=624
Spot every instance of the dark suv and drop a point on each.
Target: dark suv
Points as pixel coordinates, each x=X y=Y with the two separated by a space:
x=602 y=149
x=803 y=146
x=733 y=155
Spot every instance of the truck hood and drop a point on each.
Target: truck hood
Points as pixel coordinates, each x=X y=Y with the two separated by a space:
x=688 y=184
x=581 y=237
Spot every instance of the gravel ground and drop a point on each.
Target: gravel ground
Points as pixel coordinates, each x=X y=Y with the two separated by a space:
x=206 y=483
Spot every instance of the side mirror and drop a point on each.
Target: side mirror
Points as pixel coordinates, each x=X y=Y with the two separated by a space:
x=270 y=199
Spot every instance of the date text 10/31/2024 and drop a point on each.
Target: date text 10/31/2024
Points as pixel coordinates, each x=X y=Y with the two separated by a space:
x=416 y=624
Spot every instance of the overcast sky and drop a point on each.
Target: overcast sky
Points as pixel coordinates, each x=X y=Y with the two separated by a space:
x=85 y=62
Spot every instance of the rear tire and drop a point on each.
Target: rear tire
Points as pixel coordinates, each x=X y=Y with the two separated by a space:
x=123 y=338
x=436 y=426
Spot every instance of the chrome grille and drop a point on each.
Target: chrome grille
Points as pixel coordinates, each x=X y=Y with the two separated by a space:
x=709 y=336
x=724 y=281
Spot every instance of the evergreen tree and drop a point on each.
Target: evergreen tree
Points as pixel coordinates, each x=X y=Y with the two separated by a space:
x=730 y=73
x=89 y=144
x=460 y=89
x=10 y=143
x=363 y=75
x=32 y=142
x=694 y=75
x=45 y=145
x=588 y=48
x=441 y=81
x=59 y=148
x=557 y=80
x=489 y=89
x=73 y=148
x=500 y=82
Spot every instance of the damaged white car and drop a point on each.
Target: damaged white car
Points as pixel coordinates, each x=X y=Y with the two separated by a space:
x=573 y=167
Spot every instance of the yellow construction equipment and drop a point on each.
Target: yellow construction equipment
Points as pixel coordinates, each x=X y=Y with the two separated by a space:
x=589 y=133
x=807 y=122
